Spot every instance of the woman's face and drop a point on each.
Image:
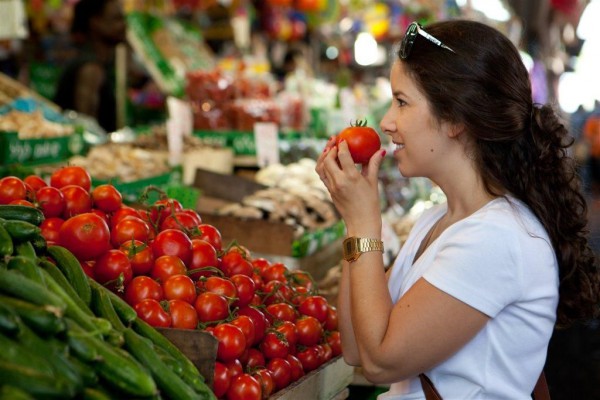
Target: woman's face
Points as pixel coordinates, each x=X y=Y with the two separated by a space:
x=420 y=140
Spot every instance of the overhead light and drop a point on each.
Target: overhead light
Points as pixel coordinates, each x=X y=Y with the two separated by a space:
x=365 y=49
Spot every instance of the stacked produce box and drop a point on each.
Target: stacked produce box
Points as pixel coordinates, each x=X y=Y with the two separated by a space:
x=106 y=276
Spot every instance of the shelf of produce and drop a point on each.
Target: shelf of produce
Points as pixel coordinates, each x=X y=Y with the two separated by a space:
x=328 y=382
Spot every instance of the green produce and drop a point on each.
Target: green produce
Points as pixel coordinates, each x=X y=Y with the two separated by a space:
x=70 y=267
x=27 y=267
x=62 y=281
x=6 y=243
x=21 y=213
x=33 y=380
x=17 y=285
x=103 y=307
x=116 y=367
x=26 y=249
x=9 y=321
x=124 y=310
x=43 y=319
x=21 y=230
x=9 y=392
x=168 y=382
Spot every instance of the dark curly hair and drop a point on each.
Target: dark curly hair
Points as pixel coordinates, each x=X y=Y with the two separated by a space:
x=519 y=147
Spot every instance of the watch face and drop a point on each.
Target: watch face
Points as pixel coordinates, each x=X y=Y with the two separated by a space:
x=350 y=249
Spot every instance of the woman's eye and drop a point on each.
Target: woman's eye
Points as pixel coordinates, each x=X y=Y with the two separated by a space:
x=400 y=102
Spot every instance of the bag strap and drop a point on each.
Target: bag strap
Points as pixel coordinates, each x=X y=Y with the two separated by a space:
x=540 y=391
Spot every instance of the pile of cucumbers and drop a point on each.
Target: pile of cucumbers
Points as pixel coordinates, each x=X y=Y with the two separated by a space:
x=65 y=336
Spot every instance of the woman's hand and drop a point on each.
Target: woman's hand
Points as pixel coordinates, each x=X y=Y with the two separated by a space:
x=354 y=192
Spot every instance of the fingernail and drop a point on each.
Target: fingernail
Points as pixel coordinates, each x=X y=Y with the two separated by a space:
x=325 y=149
x=383 y=152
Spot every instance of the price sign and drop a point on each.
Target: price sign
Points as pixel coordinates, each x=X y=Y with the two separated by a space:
x=179 y=125
x=267 y=143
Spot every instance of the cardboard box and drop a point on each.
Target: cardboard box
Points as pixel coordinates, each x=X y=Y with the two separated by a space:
x=260 y=236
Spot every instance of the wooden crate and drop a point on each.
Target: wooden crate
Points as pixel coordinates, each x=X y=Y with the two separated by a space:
x=200 y=347
x=328 y=382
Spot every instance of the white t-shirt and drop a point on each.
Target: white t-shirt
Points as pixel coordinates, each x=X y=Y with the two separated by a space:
x=500 y=261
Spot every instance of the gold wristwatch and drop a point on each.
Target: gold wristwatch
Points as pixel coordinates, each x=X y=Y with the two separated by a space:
x=354 y=246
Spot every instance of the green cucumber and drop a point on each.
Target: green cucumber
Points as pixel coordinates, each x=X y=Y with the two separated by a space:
x=39 y=244
x=95 y=394
x=25 y=249
x=73 y=310
x=9 y=321
x=102 y=307
x=124 y=310
x=9 y=392
x=21 y=230
x=17 y=285
x=46 y=320
x=62 y=281
x=6 y=243
x=71 y=268
x=168 y=382
x=33 y=381
x=14 y=352
x=147 y=331
x=88 y=375
x=27 y=267
x=117 y=367
x=61 y=365
x=21 y=213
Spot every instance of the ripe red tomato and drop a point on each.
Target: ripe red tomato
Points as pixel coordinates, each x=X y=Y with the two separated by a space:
x=265 y=378
x=121 y=213
x=334 y=340
x=244 y=387
x=232 y=342
x=12 y=188
x=71 y=175
x=211 y=307
x=235 y=367
x=221 y=379
x=107 y=198
x=167 y=266
x=245 y=289
x=254 y=358
x=281 y=311
x=77 y=200
x=233 y=263
x=203 y=255
x=142 y=288
x=211 y=234
x=288 y=329
x=50 y=201
x=50 y=228
x=276 y=292
x=326 y=353
x=218 y=285
x=161 y=209
x=85 y=235
x=276 y=272
x=114 y=267
x=331 y=324
x=129 y=228
x=309 y=357
x=22 y=202
x=180 y=287
x=309 y=331
x=315 y=306
x=35 y=182
x=301 y=279
x=274 y=345
x=260 y=321
x=362 y=140
x=282 y=372
x=183 y=314
x=246 y=324
x=175 y=243
x=296 y=367
x=152 y=312
x=140 y=256
x=180 y=220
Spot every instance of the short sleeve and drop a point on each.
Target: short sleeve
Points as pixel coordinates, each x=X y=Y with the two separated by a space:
x=479 y=263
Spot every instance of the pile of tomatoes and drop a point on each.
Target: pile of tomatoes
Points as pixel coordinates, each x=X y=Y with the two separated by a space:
x=270 y=322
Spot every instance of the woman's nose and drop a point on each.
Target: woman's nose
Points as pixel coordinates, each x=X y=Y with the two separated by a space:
x=387 y=124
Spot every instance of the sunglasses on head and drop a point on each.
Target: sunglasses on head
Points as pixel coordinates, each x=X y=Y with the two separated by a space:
x=413 y=30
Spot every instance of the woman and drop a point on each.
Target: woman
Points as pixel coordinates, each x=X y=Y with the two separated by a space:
x=473 y=296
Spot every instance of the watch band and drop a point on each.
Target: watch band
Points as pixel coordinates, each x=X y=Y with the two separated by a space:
x=353 y=247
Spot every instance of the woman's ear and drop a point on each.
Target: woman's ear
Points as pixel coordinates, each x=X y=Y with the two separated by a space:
x=455 y=130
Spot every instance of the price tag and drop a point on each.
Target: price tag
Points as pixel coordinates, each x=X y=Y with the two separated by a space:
x=267 y=143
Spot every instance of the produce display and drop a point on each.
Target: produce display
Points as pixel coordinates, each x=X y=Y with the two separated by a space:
x=129 y=270
x=32 y=125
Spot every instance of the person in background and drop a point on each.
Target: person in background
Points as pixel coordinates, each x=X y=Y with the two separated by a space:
x=483 y=279
x=87 y=84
